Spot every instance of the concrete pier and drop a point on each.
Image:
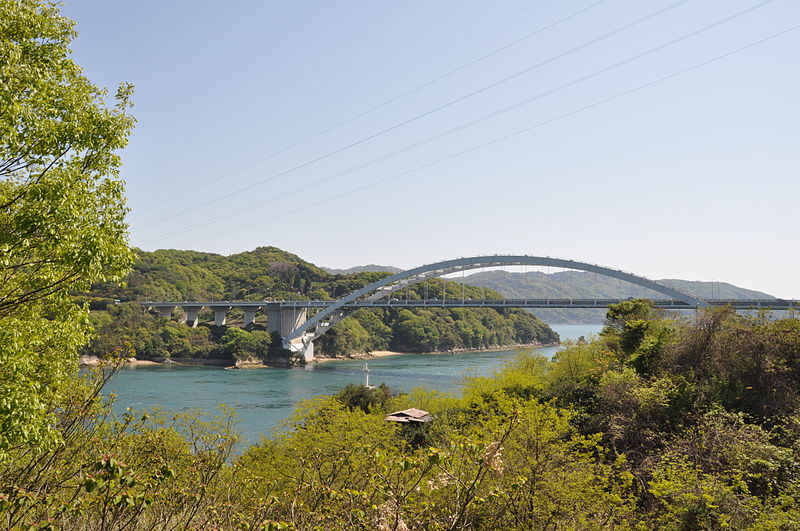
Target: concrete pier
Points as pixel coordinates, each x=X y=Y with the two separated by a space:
x=304 y=348
x=250 y=314
x=166 y=311
x=291 y=319
x=274 y=319
x=191 y=318
x=220 y=314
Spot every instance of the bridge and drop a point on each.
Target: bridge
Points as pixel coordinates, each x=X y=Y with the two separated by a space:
x=299 y=330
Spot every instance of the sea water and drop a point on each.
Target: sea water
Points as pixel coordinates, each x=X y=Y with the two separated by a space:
x=262 y=398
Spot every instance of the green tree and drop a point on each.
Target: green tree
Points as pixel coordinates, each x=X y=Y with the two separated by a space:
x=62 y=211
x=415 y=332
x=366 y=398
x=242 y=345
x=347 y=337
x=379 y=333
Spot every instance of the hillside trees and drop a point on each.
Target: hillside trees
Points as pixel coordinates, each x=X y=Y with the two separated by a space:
x=442 y=329
x=264 y=273
x=61 y=211
x=242 y=345
x=347 y=336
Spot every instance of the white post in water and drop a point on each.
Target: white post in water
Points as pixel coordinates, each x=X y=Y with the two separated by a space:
x=366 y=377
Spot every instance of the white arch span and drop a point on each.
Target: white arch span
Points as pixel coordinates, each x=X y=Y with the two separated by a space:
x=387 y=285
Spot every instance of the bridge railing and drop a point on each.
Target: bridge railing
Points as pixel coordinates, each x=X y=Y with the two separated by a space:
x=564 y=302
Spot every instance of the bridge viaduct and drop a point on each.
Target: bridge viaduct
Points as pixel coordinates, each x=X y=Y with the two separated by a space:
x=298 y=330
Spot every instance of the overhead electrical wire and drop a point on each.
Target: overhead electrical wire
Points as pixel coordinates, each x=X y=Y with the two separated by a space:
x=465 y=125
x=513 y=134
x=369 y=86
x=363 y=113
x=493 y=114
x=433 y=110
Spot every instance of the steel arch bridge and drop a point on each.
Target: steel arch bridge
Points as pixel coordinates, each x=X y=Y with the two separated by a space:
x=301 y=338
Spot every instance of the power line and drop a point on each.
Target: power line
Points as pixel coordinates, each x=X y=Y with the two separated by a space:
x=465 y=125
x=362 y=89
x=426 y=113
x=515 y=133
x=430 y=111
x=384 y=131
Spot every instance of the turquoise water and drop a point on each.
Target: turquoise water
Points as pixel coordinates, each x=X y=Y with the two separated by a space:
x=264 y=397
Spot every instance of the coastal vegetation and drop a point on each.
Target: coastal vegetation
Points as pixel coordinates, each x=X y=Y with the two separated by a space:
x=659 y=422
x=269 y=273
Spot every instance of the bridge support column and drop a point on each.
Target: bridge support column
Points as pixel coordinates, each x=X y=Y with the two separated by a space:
x=191 y=315
x=308 y=352
x=291 y=318
x=220 y=314
x=274 y=318
x=165 y=311
x=303 y=346
x=250 y=315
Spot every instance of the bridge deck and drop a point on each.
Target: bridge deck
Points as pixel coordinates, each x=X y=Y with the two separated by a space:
x=743 y=304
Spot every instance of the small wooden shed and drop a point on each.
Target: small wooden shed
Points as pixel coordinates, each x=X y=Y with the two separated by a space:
x=409 y=415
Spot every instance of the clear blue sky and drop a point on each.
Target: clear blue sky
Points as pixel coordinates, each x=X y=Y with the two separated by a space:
x=695 y=177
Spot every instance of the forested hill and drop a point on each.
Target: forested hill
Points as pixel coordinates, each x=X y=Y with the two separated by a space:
x=535 y=284
x=269 y=273
x=577 y=284
x=264 y=273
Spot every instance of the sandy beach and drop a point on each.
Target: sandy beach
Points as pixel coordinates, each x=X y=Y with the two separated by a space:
x=384 y=353
x=387 y=353
x=137 y=363
x=360 y=356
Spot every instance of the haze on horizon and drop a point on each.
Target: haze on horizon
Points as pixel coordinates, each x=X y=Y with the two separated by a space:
x=693 y=176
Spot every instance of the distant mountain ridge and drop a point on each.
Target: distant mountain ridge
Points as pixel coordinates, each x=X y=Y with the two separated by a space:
x=535 y=284
x=579 y=284
x=369 y=268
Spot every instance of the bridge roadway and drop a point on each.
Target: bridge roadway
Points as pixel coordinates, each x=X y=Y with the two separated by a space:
x=739 y=304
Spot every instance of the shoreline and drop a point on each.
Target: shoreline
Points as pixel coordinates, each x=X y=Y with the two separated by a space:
x=386 y=353
x=135 y=362
x=361 y=356
x=93 y=361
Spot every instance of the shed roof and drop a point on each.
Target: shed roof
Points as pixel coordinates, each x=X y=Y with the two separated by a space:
x=409 y=415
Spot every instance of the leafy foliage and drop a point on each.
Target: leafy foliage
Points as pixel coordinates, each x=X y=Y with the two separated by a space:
x=587 y=440
x=366 y=398
x=61 y=212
